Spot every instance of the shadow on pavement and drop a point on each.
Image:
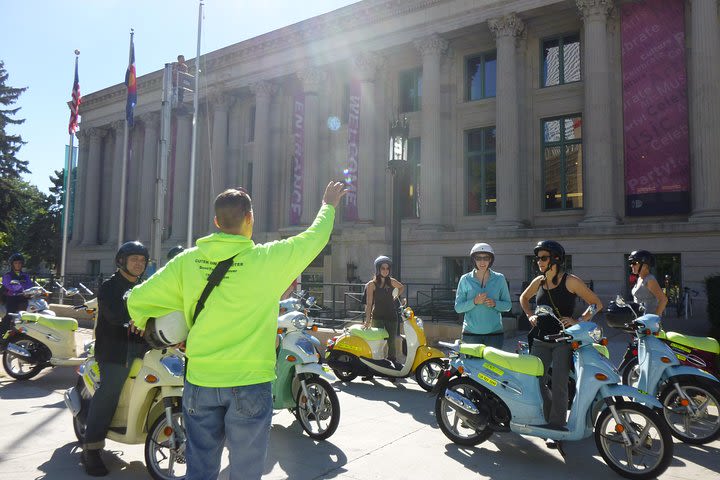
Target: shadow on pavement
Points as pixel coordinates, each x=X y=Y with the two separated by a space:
x=118 y=468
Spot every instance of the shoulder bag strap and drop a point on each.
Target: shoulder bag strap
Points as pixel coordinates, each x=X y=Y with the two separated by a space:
x=214 y=280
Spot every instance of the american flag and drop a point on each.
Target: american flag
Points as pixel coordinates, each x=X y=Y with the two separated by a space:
x=75 y=103
x=131 y=82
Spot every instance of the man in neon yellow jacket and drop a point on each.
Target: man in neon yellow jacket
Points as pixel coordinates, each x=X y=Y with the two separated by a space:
x=231 y=346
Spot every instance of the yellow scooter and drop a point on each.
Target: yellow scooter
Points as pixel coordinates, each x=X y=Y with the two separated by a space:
x=360 y=351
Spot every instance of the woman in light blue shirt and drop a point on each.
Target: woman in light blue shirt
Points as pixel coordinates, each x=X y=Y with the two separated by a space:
x=482 y=295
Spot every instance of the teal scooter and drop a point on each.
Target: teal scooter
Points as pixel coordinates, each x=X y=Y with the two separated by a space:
x=299 y=385
x=484 y=390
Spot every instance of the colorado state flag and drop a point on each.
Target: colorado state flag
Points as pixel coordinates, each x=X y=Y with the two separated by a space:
x=131 y=83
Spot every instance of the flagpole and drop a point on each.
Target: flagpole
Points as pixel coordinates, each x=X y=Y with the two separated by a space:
x=123 y=175
x=194 y=131
x=66 y=188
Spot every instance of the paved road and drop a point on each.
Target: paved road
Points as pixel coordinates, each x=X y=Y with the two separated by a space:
x=387 y=431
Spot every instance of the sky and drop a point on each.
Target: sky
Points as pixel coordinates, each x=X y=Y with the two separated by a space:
x=40 y=37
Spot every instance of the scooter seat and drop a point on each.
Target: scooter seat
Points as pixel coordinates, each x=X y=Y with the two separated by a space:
x=56 y=323
x=368 y=334
x=707 y=344
x=526 y=364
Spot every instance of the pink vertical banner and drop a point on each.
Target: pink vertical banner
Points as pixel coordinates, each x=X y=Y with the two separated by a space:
x=655 y=108
x=350 y=212
x=298 y=158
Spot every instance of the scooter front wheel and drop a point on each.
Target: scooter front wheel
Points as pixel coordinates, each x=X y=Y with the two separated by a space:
x=699 y=422
x=163 y=460
x=456 y=424
x=345 y=375
x=428 y=372
x=651 y=447
x=16 y=366
x=319 y=410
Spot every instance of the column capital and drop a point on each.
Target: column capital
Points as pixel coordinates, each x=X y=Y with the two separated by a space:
x=263 y=88
x=510 y=25
x=96 y=133
x=151 y=119
x=433 y=44
x=118 y=125
x=83 y=135
x=221 y=100
x=312 y=78
x=367 y=64
x=594 y=8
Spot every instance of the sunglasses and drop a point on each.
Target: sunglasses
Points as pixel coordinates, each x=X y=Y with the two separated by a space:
x=543 y=258
x=634 y=262
x=482 y=258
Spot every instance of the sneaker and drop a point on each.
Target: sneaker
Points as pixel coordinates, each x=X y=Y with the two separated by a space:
x=367 y=378
x=92 y=461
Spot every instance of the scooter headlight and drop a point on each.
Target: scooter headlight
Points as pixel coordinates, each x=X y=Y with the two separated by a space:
x=419 y=322
x=174 y=365
x=300 y=322
x=596 y=334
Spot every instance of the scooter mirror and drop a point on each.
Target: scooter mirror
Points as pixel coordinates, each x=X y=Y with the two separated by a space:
x=71 y=292
x=620 y=302
x=544 y=310
x=395 y=293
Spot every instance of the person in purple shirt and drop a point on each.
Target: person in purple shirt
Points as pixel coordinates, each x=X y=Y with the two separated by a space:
x=14 y=283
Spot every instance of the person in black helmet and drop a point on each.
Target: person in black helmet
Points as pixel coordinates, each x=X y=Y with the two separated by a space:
x=14 y=283
x=380 y=310
x=559 y=290
x=646 y=290
x=176 y=250
x=115 y=349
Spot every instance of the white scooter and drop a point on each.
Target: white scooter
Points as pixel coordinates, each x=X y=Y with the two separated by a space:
x=41 y=339
x=149 y=410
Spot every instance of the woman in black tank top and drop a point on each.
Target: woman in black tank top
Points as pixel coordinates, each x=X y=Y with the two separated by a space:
x=558 y=290
x=380 y=309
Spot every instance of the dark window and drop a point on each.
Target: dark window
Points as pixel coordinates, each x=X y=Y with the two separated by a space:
x=410 y=90
x=251 y=124
x=561 y=60
x=480 y=167
x=410 y=181
x=94 y=267
x=480 y=76
x=562 y=163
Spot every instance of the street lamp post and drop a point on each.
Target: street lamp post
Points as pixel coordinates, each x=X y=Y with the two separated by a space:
x=397 y=160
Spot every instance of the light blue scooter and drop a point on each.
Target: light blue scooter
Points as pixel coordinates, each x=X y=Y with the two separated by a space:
x=690 y=396
x=485 y=390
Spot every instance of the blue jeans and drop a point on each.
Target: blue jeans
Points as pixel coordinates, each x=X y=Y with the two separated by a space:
x=239 y=415
x=494 y=340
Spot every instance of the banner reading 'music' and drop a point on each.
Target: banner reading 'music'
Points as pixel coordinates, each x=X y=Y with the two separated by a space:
x=655 y=108
x=350 y=212
x=298 y=159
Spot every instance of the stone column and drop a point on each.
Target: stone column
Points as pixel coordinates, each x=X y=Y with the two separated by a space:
x=263 y=91
x=79 y=207
x=235 y=141
x=597 y=137
x=113 y=214
x=181 y=180
x=108 y=163
x=507 y=29
x=367 y=65
x=91 y=200
x=704 y=102
x=148 y=177
x=431 y=48
x=312 y=80
x=221 y=104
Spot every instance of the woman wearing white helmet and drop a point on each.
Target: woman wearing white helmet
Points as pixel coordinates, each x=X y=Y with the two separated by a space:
x=482 y=295
x=380 y=308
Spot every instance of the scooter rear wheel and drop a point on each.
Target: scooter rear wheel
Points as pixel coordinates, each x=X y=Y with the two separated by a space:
x=696 y=429
x=631 y=373
x=17 y=367
x=162 y=460
x=652 y=449
x=452 y=425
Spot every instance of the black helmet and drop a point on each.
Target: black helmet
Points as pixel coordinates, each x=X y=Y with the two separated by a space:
x=617 y=316
x=557 y=252
x=642 y=256
x=379 y=261
x=174 y=251
x=127 y=249
x=15 y=257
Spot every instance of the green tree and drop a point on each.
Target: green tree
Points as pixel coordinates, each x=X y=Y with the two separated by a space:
x=11 y=167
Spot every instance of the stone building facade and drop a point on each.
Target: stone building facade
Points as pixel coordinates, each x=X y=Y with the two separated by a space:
x=519 y=114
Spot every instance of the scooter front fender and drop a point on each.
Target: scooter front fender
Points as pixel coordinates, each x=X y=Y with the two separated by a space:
x=677 y=370
x=618 y=390
x=313 y=369
x=425 y=353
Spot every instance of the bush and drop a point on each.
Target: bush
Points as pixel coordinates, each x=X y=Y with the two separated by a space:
x=712 y=289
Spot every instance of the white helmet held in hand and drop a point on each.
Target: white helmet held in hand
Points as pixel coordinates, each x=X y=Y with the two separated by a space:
x=167 y=330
